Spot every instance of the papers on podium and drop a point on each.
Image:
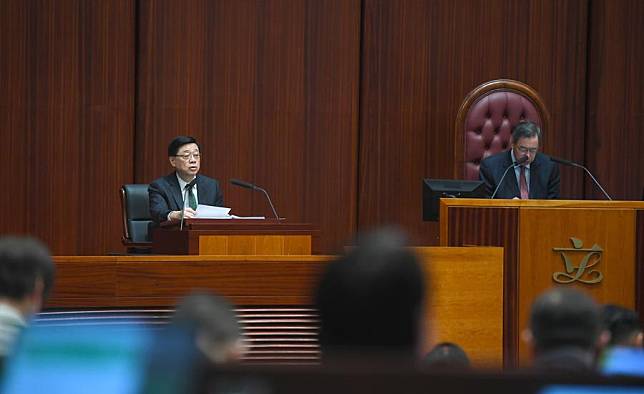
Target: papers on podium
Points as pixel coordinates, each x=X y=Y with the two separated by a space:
x=210 y=212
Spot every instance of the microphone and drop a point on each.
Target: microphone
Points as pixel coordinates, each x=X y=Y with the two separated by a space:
x=188 y=188
x=248 y=185
x=513 y=165
x=573 y=164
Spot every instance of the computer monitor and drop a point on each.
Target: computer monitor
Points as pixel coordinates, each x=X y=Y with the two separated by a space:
x=435 y=189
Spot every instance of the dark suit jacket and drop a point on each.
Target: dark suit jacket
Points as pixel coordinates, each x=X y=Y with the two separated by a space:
x=544 y=177
x=165 y=195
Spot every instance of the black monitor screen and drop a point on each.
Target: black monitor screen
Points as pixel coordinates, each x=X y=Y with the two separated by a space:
x=435 y=189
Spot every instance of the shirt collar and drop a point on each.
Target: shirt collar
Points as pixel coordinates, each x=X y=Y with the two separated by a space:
x=13 y=314
x=182 y=183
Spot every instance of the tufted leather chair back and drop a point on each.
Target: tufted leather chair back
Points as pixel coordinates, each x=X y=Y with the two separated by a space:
x=485 y=120
x=136 y=215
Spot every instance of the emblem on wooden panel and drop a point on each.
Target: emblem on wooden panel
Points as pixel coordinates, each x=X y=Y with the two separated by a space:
x=584 y=271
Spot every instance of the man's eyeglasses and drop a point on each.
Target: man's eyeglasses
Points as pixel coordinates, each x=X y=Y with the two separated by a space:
x=523 y=149
x=187 y=156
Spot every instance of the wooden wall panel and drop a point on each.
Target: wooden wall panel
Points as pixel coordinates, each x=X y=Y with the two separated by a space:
x=270 y=89
x=338 y=108
x=66 y=114
x=421 y=58
x=615 y=109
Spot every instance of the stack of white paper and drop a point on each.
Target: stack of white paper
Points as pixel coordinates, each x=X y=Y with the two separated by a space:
x=210 y=212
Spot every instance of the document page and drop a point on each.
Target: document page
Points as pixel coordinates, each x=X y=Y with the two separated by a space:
x=209 y=212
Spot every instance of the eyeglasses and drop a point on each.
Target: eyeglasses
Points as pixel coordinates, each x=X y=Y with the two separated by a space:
x=187 y=156
x=523 y=149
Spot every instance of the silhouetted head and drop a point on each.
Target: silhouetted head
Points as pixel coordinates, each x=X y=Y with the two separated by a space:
x=447 y=356
x=26 y=273
x=213 y=324
x=371 y=300
x=623 y=325
x=564 y=317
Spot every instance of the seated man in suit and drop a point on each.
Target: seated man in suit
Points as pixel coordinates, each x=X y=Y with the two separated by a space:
x=167 y=193
x=537 y=177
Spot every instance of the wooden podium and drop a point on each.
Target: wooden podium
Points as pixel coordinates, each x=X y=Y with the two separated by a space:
x=594 y=245
x=234 y=237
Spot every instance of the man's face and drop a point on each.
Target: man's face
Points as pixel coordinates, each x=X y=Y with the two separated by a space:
x=526 y=146
x=187 y=161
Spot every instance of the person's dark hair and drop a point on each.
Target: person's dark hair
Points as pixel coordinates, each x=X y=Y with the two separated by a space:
x=447 y=356
x=564 y=317
x=526 y=129
x=622 y=323
x=209 y=314
x=372 y=299
x=178 y=142
x=24 y=260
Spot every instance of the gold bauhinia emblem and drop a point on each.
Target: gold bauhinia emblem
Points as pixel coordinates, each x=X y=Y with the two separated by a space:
x=583 y=272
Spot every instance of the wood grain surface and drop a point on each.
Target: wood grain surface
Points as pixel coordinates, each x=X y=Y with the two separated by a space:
x=338 y=108
x=457 y=310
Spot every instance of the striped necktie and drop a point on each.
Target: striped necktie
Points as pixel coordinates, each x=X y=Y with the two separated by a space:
x=523 y=184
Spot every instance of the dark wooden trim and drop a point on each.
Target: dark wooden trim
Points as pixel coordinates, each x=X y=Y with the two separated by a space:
x=124 y=281
x=639 y=264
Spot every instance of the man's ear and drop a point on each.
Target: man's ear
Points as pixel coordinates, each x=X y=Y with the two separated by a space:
x=527 y=337
x=603 y=339
x=37 y=297
x=639 y=339
x=172 y=160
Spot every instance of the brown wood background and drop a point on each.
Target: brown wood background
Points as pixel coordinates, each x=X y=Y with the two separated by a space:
x=338 y=107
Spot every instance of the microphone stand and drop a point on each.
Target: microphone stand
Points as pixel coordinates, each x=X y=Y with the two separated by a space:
x=573 y=164
x=269 y=201
x=513 y=165
x=251 y=186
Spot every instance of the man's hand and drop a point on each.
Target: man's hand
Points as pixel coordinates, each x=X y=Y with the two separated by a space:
x=176 y=215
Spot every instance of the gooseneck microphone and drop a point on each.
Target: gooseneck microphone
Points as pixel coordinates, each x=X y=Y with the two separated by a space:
x=573 y=164
x=513 y=165
x=187 y=189
x=248 y=185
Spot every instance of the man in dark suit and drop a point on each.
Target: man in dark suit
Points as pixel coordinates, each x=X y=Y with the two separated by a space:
x=167 y=193
x=537 y=177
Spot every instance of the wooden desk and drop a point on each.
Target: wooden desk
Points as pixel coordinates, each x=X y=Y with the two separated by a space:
x=537 y=235
x=465 y=302
x=234 y=237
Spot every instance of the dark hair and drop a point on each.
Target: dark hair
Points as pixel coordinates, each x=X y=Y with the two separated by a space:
x=564 y=317
x=180 y=141
x=447 y=355
x=209 y=314
x=24 y=260
x=372 y=299
x=622 y=323
x=526 y=129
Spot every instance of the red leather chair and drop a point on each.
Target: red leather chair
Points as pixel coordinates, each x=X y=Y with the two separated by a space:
x=485 y=120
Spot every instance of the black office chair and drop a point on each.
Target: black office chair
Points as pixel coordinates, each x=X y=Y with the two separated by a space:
x=136 y=218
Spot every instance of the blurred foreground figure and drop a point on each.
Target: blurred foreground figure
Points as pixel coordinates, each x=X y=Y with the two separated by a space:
x=565 y=331
x=204 y=332
x=371 y=302
x=446 y=356
x=213 y=324
x=623 y=325
x=26 y=276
